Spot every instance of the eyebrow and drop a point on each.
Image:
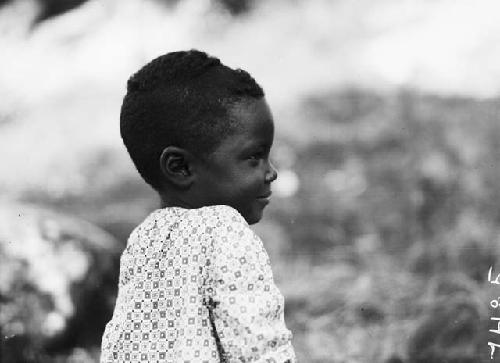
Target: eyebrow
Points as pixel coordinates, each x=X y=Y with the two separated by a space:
x=256 y=144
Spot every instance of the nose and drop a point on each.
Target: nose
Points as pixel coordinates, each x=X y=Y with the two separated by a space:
x=271 y=174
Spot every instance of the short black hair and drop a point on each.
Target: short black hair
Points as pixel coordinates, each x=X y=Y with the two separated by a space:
x=180 y=99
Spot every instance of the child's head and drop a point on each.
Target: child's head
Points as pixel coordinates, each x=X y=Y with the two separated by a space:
x=200 y=133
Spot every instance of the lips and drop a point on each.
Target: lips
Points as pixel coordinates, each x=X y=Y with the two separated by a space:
x=265 y=198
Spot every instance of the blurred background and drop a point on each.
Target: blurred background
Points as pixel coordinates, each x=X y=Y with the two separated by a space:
x=385 y=218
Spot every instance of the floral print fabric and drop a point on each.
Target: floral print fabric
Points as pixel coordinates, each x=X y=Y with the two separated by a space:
x=196 y=286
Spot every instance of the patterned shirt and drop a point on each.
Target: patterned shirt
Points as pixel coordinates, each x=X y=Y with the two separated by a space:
x=196 y=286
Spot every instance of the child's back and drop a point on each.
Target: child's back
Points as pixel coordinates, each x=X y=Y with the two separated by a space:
x=186 y=273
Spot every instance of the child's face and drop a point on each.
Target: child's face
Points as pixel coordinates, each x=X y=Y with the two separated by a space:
x=238 y=173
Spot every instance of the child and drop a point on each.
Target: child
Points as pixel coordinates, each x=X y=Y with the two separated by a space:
x=195 y=281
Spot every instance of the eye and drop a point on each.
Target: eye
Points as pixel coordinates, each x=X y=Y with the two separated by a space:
x=257 y=155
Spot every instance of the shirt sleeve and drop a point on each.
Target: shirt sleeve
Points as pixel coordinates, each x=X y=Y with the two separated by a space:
x=246 y=307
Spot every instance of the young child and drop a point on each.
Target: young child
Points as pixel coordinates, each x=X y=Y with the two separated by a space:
x=195 y=281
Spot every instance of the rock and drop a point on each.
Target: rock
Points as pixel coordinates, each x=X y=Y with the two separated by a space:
x=58 y=281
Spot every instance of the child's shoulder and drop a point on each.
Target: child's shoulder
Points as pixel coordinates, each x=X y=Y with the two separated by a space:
x=214 y=216
x=216 y=222
x=222 y=212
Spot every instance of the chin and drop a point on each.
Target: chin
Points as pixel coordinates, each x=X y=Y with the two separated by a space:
x=253 y=221
x=254 y=217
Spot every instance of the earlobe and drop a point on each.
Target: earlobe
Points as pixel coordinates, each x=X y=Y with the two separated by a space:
x=175 y=165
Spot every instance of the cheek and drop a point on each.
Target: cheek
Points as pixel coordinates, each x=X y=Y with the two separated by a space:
x=252 y=184
x=244 y=180
x=241 y=183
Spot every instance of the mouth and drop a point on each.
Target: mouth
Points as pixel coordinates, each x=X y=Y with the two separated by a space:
x=265 y=198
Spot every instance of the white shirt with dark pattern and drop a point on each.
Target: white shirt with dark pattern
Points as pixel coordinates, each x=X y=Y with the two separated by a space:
x=196 y=286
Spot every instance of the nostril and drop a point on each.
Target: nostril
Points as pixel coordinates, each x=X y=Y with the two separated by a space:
x=273 y=174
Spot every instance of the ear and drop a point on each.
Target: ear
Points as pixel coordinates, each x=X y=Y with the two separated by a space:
x=176 y=166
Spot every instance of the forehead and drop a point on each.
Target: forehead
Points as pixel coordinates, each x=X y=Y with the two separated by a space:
x=251 y=119
x=251 y=125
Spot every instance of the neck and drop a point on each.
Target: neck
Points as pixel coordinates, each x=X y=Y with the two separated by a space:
x=170 y=200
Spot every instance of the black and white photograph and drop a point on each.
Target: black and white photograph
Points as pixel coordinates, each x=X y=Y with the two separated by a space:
x=249 y=181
